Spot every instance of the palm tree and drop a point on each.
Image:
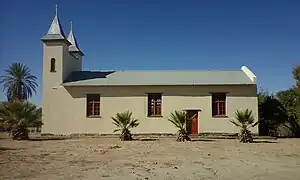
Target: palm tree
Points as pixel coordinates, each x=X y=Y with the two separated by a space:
x=123 y=121
x=19 y=83
x=244 y=120
x=19 y=116
x=2 y=124
x=180 y=120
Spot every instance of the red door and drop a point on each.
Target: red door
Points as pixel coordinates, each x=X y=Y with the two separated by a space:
x=195 y=124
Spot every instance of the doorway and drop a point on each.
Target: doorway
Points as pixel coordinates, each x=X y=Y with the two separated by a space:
x=192 y=126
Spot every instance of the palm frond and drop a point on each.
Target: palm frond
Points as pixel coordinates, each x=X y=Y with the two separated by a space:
x=133 y=123
x=123 y=122
x=19 y=116
x=235 y=123
x=18 y=82
x=245 y=118
x=178 y=118
x=116 y=130
x=255 y=124
x=117 y=122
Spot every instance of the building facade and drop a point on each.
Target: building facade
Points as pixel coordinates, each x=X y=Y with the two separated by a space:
x=76 y=101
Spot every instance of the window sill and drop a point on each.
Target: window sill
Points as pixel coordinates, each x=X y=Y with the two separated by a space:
x=154 y=116
x=221 y=116
x=93 y=117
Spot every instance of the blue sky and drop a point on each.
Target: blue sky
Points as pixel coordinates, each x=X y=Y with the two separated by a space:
x=156 y=34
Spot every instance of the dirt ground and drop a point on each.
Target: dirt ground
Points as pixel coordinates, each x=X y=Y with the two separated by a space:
x=111 y=159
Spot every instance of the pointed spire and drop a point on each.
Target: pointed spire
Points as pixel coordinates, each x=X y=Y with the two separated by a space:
x=56 y=7
x=71 y=38
x=55 y=31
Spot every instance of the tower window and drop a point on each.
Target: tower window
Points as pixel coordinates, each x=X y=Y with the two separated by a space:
x=52 y=65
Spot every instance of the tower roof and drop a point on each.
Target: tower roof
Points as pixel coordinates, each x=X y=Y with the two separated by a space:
x=71 y=38
x=55 y=31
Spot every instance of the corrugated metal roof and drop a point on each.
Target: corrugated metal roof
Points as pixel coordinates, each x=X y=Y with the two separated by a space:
x=157 y=77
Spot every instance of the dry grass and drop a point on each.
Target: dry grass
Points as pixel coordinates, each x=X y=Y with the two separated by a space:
x=108 y=158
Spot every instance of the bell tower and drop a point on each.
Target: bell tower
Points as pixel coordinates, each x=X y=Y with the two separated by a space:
x=55 y=55
x=56 y=67
x=61 y=56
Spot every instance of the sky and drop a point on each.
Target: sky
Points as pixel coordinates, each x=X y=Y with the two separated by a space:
x=160 y=35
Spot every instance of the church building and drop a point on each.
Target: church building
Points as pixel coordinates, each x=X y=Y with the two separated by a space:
x=76 y=101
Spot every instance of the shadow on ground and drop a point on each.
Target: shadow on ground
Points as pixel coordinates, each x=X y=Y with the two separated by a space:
x=9 y=149
x=264 y=142
x=202 y=140
x=146 y=139
x=157 y=139
x=48 y=139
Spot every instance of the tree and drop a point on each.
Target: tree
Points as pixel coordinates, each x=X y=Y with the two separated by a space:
x=19 y=83
x=263 y=95
x=280 y=109
x=296 y=74
x=179 y=119
x=3 y=126
x=271 y=113
x=290 y=100
x=19 y=116
x=244 y=120
x=124 y=122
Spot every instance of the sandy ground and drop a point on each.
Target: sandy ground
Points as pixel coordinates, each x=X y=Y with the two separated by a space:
x=108 y=158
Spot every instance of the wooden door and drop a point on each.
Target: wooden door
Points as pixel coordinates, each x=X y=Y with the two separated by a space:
x=195 y=124
x=192 y=126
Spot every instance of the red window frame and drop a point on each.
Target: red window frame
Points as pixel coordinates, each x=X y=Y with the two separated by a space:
x=154 y=104
x=219 y=104
x=93 y=105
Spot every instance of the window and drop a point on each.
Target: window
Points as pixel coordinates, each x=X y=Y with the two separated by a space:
x=219 y=104
x=52 y=65
x=154 y=104
x=93 y=105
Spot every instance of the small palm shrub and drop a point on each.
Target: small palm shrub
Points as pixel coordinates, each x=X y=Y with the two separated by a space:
x=244 y=120
x=19 y=116
x=124 y=122
x=179 y=120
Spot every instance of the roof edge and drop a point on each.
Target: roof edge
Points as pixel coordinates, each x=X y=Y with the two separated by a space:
x=70 y=84
x=249 y=73
x=55 y=40
x=79 y=52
